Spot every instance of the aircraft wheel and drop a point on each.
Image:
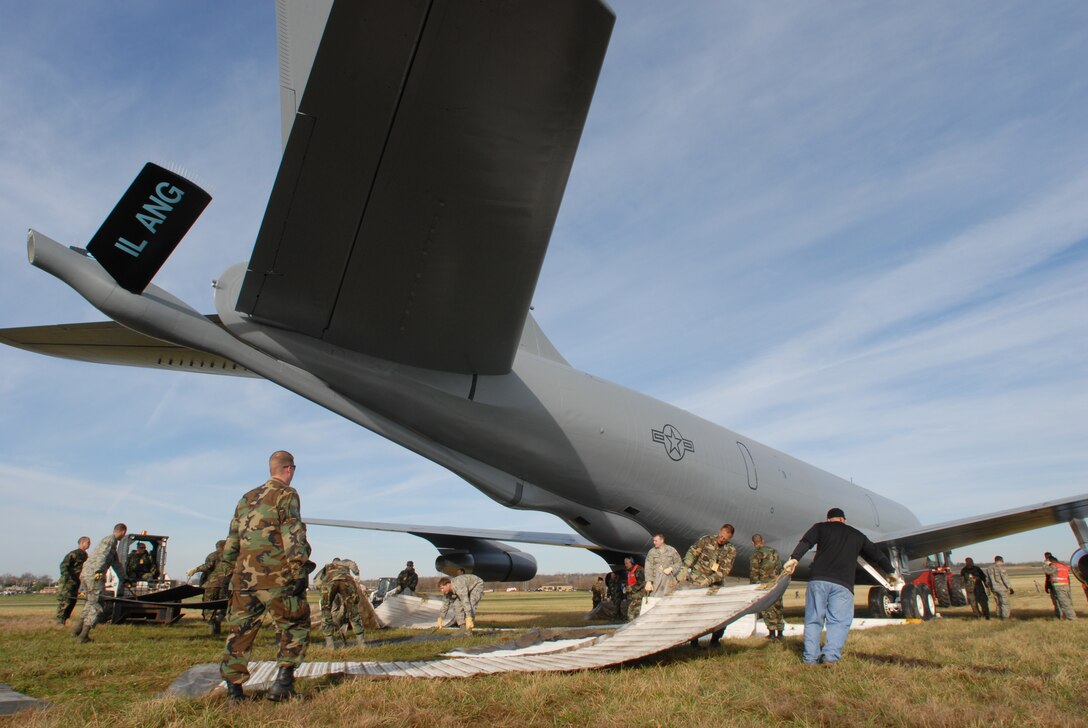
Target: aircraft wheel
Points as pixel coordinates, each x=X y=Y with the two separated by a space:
x=880 y=602
x=913 y=607
x=956 y=593
x=940 y=590
x=929 y=607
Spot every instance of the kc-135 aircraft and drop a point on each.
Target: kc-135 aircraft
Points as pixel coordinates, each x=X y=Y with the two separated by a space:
x=426 y=148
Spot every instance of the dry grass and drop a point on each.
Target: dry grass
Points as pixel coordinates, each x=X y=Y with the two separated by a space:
x=955 y=671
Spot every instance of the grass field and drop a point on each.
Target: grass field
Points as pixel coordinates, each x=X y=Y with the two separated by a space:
x=955 y=671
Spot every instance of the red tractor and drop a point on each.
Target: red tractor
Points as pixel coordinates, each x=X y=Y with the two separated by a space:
x=935 y=586
x=946 y=586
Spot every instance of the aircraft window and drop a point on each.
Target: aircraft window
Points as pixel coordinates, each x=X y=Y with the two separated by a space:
x=749 y=466
x=632 y=510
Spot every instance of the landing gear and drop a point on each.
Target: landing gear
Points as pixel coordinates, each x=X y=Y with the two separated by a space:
x=917 y=602
x=930 y=603
x=882 y=604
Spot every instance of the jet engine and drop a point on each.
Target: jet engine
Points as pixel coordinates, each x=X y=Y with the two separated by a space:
x=1078 y=564
x=489 y=560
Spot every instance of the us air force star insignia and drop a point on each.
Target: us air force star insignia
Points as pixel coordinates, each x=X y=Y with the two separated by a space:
x=674 y=442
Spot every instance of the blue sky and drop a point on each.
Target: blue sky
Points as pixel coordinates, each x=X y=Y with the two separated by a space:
x=856 y=232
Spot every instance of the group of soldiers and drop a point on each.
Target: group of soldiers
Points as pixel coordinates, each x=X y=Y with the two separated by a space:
x=980 y=583
x=139 y=566
x=83 y=570
x=706 y=564
x=261 y=570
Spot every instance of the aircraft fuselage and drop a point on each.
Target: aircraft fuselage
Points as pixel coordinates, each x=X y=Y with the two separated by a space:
x=615 y=464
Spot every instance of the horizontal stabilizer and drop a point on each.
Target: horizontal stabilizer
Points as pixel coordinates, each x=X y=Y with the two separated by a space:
x=940 y=537
x=108 y=342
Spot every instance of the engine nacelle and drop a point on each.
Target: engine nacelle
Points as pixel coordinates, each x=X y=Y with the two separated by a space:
x=1078 y=565
x=489 y=560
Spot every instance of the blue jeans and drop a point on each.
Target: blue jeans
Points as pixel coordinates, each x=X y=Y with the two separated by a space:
x=831 y=604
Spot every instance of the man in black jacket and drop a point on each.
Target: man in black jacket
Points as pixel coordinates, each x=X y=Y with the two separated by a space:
x=976 y=582
x=829 y=598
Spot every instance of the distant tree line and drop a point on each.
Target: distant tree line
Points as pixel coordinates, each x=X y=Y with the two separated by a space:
x=26 y=581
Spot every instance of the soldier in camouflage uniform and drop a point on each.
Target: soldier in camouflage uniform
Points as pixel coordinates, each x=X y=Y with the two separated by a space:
x=461 y=593
x=140 y=566
x=337 y=580
x=267 y=555
x=614 y=588
x=636 y=584
x=1000 y=586
x=765 y=567
x=662 y=567
x=214 y=582
x=92 y=578
x=1059 y=586
x=708 y=562
x=598 y=592
x=68 y=583
x=407 y=580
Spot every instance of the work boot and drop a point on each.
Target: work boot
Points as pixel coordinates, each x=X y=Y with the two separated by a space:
x=234 y=693
x=359 y=641
x=283 y=688
x=217 y=627
x=85 y=634
x=330 y=643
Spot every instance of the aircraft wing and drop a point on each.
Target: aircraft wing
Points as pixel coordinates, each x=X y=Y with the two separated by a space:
x=423 y=173
x=940 y=537
x=108 y=342
x=446 y=533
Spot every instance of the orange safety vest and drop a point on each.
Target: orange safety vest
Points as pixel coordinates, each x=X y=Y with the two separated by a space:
x=1062 y=577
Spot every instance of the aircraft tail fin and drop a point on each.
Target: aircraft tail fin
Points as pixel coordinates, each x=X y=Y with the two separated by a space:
x=534 y=341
